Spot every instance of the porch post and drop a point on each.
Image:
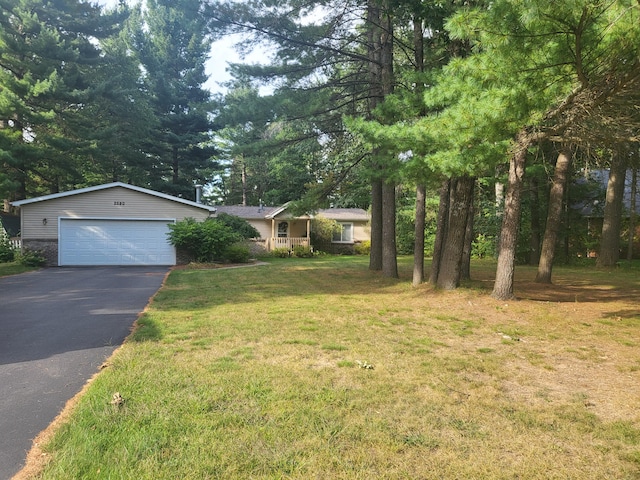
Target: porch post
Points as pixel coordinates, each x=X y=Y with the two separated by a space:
x=273 y=233
x=308 y=232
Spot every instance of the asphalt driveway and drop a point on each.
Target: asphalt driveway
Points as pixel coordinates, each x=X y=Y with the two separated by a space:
x=57 y=326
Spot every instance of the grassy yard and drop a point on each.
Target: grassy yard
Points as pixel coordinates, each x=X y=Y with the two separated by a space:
x=14 y=268
x=319 y=368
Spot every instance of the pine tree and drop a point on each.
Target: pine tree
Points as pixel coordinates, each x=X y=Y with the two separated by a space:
x=47 y=52
x=172 y=44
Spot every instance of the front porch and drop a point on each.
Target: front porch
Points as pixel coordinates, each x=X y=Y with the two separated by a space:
x=286 y=242
x=289 y=233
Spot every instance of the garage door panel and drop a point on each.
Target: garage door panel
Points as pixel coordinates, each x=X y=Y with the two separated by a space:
x=115 y=242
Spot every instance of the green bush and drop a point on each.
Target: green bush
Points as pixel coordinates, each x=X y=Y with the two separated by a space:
x=238 y=225
x=205 y=241
x=362 y=248
x=7 y=252
x=237 y=253
x=281 y=252
x=322 y=230
x=302 y=251
x=31 y=258
x=483 y=247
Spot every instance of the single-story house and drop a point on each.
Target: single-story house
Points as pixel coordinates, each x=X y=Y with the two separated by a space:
x=278 y=228
x=110 y=224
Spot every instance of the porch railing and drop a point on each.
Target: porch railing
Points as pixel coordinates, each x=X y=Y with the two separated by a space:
x=15 y=243
x=287 y=242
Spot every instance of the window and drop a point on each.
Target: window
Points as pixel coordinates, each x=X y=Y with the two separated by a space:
x=345 y=234
x=283 y=229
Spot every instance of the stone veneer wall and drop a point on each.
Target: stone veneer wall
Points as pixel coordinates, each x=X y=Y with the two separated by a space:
x=183 y=257
x=46 y=247
x=256 y=247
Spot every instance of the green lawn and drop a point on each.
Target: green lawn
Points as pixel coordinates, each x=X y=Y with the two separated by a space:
x=319 y=368
x=13 y=268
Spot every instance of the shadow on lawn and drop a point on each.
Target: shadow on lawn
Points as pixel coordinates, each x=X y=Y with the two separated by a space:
x=351 y=276
x=146 y=330
x=571 y=285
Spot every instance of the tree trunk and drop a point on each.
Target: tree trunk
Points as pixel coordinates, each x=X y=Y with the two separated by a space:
x=554 y=216
x=175 y=165
x=389 y=253
x=610 y=240
x=441 y=231
x=465 y=268
x=243 y=178
x=418 y=248
x=503 y=285
x=375 y=256
x=451 y=261
x=380 y=55
x=534 y=241
x=632 y=213
x=389 y=250
x=421 y=189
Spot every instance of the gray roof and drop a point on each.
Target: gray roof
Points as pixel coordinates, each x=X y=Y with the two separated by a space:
x=345 y=214
x=257 y=213
x=248 y=213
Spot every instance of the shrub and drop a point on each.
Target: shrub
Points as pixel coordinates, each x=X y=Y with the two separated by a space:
x=237 y=253
x=238 y=225
x=205 y=241
x=281 y=252
x=405 y=230
x=362 y=248
x=7 y=252
x=322 y=230
x=483 y=246
x=31 y=258
x=302 y=251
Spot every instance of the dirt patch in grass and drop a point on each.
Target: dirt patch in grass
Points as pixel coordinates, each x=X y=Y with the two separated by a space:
x=577 y=340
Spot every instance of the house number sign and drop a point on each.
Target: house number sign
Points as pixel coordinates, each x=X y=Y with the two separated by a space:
x=118 y=203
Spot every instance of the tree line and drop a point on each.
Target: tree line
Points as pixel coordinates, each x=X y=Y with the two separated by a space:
x=440 y=113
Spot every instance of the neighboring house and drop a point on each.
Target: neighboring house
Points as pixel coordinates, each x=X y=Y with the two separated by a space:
x=10 y=228
x=111 y=224
x=279 y=229
x=591 y=205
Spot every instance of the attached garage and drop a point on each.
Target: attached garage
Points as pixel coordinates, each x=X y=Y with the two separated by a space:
x=111 y=224
x=115 y=242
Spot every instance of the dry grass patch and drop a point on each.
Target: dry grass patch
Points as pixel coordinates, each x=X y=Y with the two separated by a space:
x=321 y=369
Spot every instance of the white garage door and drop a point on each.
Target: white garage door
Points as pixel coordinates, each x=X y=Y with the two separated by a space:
x=114 y=242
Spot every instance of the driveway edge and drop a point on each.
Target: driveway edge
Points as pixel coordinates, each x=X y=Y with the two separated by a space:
x=37 y=459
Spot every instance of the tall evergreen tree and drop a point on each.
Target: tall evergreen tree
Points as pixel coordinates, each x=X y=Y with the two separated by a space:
x=172 y=44
x=47 y=53
x=538 y=70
